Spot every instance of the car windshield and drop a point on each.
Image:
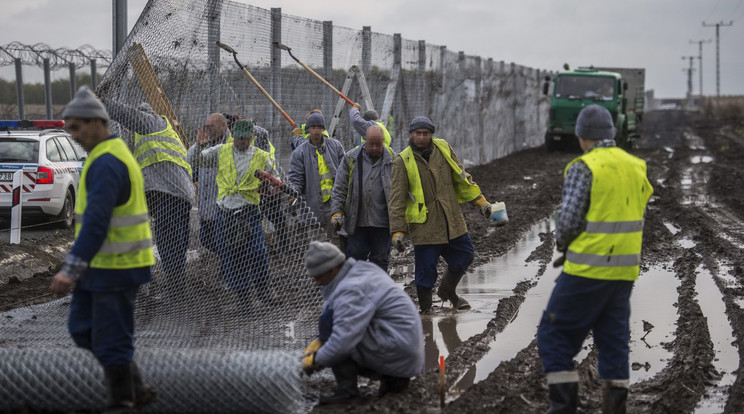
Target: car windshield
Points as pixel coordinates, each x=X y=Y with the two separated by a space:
x=585 y=87
x=15 y=150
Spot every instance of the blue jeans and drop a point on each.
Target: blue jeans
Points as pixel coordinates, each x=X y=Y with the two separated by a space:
x=103 y=322
x=458 y=254
x=243 y=252
x=371 y=243
x=578 y=305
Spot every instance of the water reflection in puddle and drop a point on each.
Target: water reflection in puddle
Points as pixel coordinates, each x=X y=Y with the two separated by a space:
x=727 y=358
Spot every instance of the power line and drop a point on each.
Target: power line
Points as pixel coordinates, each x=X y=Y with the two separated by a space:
x=718 y=53
x=700 y=58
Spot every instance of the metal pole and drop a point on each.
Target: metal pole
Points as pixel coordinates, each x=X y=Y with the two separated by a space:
x=718 y=54
x=47 y=89
x=366 y=49
x=700 y=60
x=73 y=81
x=19 y=88
x=421 y=77
x=93 y=75
x=213 y=55
x=328 y=64
x=276 y=71
x=119 y=21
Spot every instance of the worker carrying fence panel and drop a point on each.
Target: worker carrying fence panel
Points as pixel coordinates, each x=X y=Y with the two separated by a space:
x=112 y=253
x=369 y=325
x=429 y=183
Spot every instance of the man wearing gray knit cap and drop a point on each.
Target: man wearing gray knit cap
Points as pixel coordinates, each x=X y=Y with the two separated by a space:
x=429 y=183
x=599 y=230
x=369 y=325
x=112 y=253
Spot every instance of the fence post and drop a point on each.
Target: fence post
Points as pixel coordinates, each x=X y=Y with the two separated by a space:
x=120 y=25
x=276 y=73
x=15 y=208
x=421 y=84
x=93 y=75
x=214 y=14
x=19 y=88
x=73 y=81
x=479 y=102
x=328 y=65
x=47 y=89
x=396 y=108
x=366 y=49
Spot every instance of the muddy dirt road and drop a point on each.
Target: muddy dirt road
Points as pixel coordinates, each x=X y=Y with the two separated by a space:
x=687 y=323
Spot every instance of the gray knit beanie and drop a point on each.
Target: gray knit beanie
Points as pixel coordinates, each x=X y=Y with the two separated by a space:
x=371 y=115
x=420 y=122
x=315 y=120
x=595 y=123
x=85 y=105
x=322 y=257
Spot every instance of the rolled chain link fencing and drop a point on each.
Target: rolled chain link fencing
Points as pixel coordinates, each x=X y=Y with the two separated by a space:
x=204 y=345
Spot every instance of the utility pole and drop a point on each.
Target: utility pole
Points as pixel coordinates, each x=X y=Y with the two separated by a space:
x=718 y=54
x=119 y=20
x=700 y=60
x=689 y=81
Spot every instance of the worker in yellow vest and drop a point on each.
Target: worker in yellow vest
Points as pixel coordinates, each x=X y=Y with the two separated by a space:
x=312 y=171
x=361 y=122
x=301 y=134
x=112 y=253
x=429 y=183
x=245 y=267
x=599 y=230
x=169 y=189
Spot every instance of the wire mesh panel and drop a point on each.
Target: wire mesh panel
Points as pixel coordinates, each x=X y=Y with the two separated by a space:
x=230 y=305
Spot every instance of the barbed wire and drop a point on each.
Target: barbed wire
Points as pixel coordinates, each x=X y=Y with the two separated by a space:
x=59 y=58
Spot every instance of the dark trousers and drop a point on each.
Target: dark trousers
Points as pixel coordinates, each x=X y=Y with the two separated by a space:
x=271 y=209
x=103 y=322
x=208 y=235
x=458 y=254
x=578 y=305
x=170 y=230
x=243 y=252
x=370 y=243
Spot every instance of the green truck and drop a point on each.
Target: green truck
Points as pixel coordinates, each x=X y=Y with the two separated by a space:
x=620 y=90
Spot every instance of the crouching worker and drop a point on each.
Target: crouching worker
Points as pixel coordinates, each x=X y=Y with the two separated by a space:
x=112 y=253
x=369 y=325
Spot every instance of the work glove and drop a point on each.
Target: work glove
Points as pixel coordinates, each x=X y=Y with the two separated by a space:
x=308 y=363
x=357 y=106
x=297 y=131
x=398 y=241
x=314 y=346
x=483 y=205
x=338 y=221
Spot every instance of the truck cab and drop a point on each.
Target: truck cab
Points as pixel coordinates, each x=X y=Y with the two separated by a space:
x=575 y=89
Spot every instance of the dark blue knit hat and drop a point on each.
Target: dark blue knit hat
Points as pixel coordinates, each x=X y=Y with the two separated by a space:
x=595 y=122
x=420 y=122
x=315 y=120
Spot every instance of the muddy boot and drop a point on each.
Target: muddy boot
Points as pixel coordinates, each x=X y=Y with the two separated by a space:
x=563 y=398
x=614 y=397
x=120 y=384
x=346 y=384
x=424 y=299
x=447 y=290
x=144 y=393
x=389 y=384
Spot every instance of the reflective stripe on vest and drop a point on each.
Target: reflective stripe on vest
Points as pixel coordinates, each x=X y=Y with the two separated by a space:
x=326 y=178
x=160 y=146
x=610 y=246
x=227 y=175
x=387 y=139
x=465 y=189
x=128 y=242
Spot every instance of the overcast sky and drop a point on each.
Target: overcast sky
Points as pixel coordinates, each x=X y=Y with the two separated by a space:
x=653 y=34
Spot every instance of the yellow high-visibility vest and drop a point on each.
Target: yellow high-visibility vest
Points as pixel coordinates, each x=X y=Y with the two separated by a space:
x=227 y=175
x=128 y=242
x=465 y=189
x=610 y=246
x=160 y=146
x=326 y=178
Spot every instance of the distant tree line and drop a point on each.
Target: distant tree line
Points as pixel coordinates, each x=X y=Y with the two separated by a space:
x=33 y=93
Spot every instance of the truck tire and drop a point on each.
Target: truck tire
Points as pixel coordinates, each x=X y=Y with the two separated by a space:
x=66 y=217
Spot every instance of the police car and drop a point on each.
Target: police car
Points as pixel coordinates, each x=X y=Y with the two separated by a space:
x=51 y=163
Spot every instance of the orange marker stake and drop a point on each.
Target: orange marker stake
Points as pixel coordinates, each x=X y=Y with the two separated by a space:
x=441 y=381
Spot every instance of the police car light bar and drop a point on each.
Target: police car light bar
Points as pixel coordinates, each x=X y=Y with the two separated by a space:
x=25 y=123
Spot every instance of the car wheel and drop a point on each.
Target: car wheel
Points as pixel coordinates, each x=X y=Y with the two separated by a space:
x=67 y=216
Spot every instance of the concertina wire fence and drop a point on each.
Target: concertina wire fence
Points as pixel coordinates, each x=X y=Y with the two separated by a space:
x=225 y=334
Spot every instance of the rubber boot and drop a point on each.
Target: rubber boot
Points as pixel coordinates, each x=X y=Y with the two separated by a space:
x=424 y=299
x=144 y=393
x=447 y=290
x=346 y=383
x=563 y=398
x=614 y=399
x=389 y=384
x=120 y=384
